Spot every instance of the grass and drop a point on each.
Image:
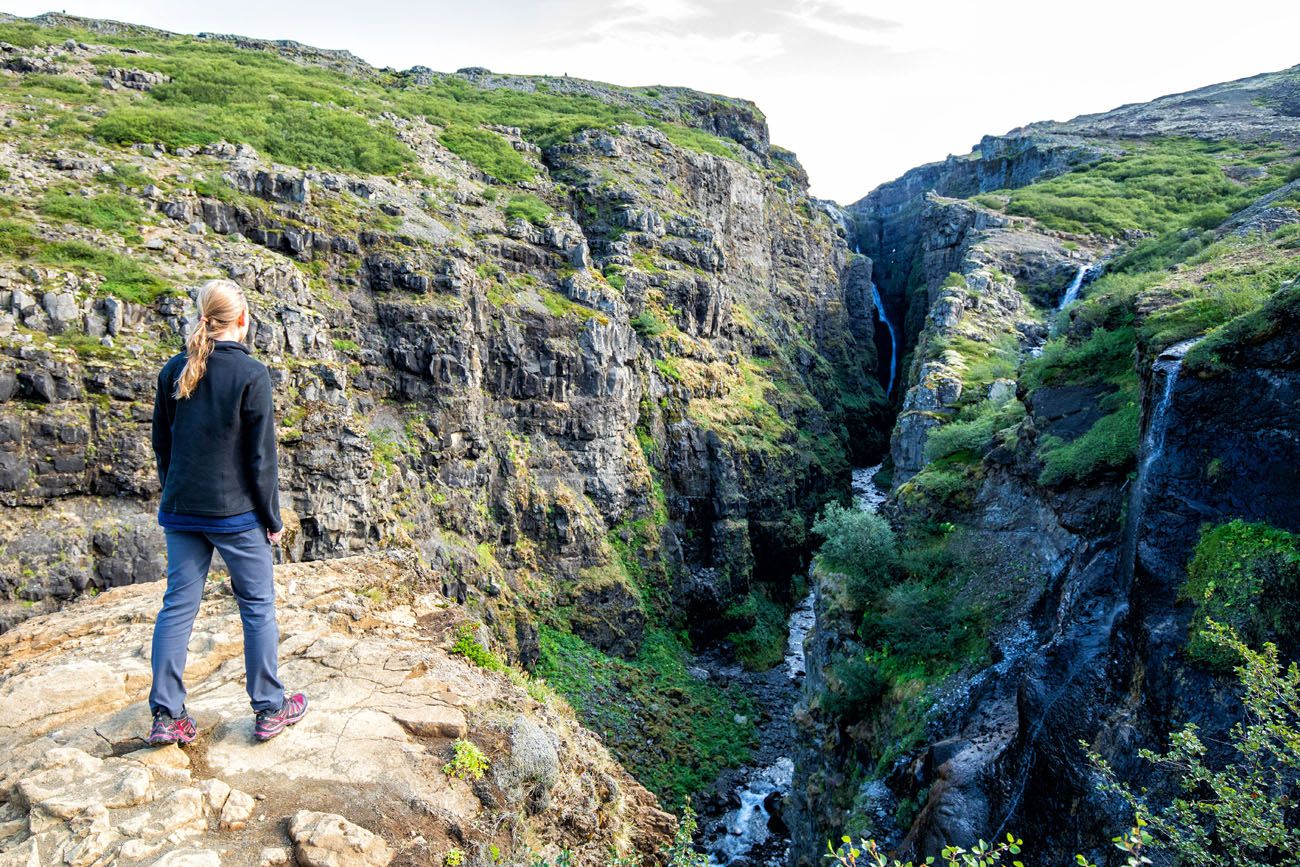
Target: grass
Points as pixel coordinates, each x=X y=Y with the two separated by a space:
x=673 y=732
x=489 y=151
x=1158 y=185
x=1110 y=444
x=110 y=212
x=122 y=277
x=308 y=115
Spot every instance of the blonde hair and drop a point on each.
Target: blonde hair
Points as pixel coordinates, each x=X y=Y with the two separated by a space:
x=219 y=303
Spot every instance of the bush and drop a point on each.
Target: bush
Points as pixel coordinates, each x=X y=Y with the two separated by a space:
x=856 y=687
x=859 y=544
x=489 y=151
x=974 y=429
x=1243 y=813
x=467 y=761
x=123 y=278
x=530 y=208
x=1247 y=577
x=647 y=324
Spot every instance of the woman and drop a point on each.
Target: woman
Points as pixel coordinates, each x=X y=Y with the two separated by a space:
x=214 y=441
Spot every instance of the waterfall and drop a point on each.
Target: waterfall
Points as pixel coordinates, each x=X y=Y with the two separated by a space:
x=1169 y=364
x=1072 y=291
x=883 y=316
x=893 y=340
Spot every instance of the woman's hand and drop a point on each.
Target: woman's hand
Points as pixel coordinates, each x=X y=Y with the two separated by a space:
x=274 y=538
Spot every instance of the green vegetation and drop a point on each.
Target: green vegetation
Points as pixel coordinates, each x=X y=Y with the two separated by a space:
x=489 y=151
x=528 y=207
x=1214 y=352
x=1247 y=577
x=468 y=646
x=308 y=115
x=467 y=761
x=867 y=853
x=975 y=429
x=1155 y=186
x=694 y=729
x=980 y=361
x=1239 y=813
x=111 y=212
x=1110 y=444
x=647 y=324
x=921 y=619
x=762 y=644
x=122 y=277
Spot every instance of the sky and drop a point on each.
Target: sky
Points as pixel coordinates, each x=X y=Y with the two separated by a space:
x=861 y=91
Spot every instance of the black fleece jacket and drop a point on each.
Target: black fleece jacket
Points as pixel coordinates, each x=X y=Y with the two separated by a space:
x=216 y=448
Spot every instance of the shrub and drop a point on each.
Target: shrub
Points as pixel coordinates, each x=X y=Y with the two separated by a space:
x=974 y=428
x=530 y=208
x=856 y=687
x=647 y=324
x=859 y=544
x=1247 y=577
x=1242 y=813
x=490 y=152
x=468 y=646
x=467 y=761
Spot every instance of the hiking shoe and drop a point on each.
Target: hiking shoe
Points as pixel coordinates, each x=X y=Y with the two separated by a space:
x=271 y=722
x=171 y=730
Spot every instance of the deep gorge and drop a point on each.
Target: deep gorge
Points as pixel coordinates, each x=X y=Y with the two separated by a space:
x=592 y=365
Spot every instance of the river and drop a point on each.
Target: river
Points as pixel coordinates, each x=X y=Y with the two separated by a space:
x=742 y=826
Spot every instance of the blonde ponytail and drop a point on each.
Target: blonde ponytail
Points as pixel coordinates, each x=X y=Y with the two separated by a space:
x=219 y=302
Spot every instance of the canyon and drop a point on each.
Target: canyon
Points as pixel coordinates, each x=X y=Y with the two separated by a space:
x=571 y=380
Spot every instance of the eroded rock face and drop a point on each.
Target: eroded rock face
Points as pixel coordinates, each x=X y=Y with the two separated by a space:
x=358 y=782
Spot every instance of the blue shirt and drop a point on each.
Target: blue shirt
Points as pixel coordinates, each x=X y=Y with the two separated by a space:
x=209 y=523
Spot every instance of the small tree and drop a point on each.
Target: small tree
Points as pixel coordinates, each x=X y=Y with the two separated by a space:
x=1247 y=813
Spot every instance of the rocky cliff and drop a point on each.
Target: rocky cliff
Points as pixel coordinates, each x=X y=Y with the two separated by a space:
x=1057 y=462
x=364 y=779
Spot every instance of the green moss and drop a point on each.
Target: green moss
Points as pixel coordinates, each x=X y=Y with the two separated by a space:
x=563 y=306
x=1245 y=576
x=674 y=733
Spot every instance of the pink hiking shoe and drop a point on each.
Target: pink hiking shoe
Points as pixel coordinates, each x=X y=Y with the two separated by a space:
x=171 y=730
x=271 y=722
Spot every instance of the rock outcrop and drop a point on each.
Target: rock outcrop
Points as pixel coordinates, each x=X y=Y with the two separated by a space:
x=359 y=781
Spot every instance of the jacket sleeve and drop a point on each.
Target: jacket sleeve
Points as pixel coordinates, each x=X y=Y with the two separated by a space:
x=162 y=427
x=258 y=423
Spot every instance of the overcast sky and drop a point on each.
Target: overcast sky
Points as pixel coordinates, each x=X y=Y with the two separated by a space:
x=861 y=91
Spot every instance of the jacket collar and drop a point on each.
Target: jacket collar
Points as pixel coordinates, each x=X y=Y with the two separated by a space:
x=230 y=344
